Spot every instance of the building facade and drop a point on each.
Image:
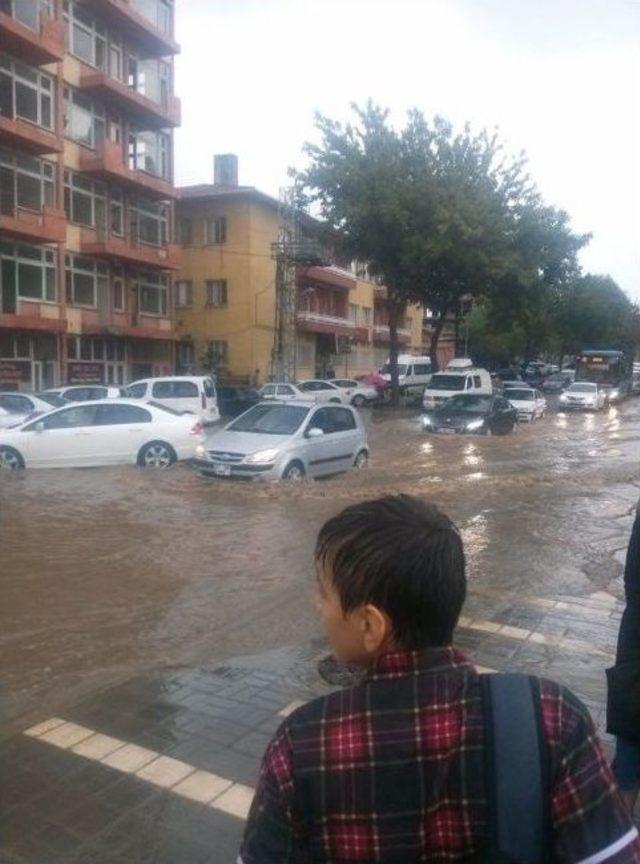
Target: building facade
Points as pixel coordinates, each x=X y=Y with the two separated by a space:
x=87 y=112
x=226 y=293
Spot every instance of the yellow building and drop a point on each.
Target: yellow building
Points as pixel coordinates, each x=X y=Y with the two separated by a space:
x=226 y=299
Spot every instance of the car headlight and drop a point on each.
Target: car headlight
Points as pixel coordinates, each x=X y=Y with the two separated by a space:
x=427 y=420
x=475 y=424
x=564 y=398
x=614 y=394
x=201 y=450
x=262 y=456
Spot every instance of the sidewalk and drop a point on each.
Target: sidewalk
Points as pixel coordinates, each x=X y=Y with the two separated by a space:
x=161 y=769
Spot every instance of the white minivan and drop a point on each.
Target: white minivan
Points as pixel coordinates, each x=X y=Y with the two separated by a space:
x=444 y=385
x=414 y=373
x=185 y=393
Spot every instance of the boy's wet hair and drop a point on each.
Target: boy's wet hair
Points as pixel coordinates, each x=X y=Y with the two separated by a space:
x=404 y=556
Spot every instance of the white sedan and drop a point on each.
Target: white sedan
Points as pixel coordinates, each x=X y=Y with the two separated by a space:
x=304 y=391
x=583 y=395
x=529 y=403
x=359 y=394
x=17 y=408
x=107 y=432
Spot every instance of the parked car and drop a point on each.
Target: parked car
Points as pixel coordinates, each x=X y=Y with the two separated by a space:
x=529 y=403
x=414 y=373
x=188 y=394
x=444 y=385
x=286 y=441
x=359 y=393
x=107 y=432
x=315 y=390
x=282 y=392
x=20 y=406
x=233 y=401
x=85 y=392
x=583 y=395
x=560 y=381
x=481 y=414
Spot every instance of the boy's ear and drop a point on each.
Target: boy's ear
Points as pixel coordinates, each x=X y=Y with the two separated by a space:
x=376 y=628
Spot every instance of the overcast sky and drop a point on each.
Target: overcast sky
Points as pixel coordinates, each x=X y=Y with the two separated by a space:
x=560 y=78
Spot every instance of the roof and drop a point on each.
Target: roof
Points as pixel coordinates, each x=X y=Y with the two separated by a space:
x=217 y=192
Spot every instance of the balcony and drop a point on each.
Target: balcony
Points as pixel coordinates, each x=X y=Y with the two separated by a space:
x=144 y=111
x=48 y=225
x=22 y=135
x=30 y=34
x=334 y=277
x=107 y=163
x=29 y=317
x=381 y=334
x=137 y=27
x=317 y=322
x=100 y=244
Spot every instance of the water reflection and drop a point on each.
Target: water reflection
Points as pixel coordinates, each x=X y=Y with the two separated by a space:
x=472 y=456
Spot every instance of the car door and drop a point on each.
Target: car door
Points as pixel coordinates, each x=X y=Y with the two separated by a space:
x=63 y=439
x=503 y=416
x=346 y=437
x=120 y=432
x=326 y=392
x=321 y=452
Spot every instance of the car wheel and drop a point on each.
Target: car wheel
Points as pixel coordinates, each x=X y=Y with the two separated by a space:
x=362 y=460
x=157 y=454
x=10 y=459
x=294 y=471
x=358 y=401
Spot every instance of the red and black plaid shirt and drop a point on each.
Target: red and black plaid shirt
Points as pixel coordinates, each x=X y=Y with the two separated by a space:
x=392 y=770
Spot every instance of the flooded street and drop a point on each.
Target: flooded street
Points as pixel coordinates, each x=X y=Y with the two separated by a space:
x=109 y=572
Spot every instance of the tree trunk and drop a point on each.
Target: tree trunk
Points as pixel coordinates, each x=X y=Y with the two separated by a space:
x=438 y=327
x=394 y=314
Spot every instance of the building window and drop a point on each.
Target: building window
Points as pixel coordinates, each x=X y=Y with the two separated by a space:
x=366 y=316
x=150 y=152
x=218 y=351
x=25 y=93
x=28 y=272
x=86 y=280
x=84 y=120
x=184 y=294
x=117 y=290
x=185 y=228
x=217 y=230
x=153 y=291
x=151 y=78
x=216 y=292
x=84 y=200
x=149 y=222
x=158 y=12
x=116 y=212
x=354 y=313
x=25 y=182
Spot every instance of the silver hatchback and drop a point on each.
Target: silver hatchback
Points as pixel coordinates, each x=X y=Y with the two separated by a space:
x=286 y=441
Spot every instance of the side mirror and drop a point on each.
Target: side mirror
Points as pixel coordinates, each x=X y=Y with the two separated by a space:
x=39 y=427
x=314 y=432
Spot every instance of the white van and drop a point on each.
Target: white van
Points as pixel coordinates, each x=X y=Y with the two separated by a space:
x=185 y=393
x=414 y=373
x=444 y=385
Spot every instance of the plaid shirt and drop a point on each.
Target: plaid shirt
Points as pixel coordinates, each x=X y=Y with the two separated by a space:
x=392 y=770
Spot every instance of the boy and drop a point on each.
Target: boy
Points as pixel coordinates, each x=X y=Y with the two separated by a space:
x=392 y=770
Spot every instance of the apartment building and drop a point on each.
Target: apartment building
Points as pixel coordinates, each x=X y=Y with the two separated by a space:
x=226 y=299
x=87 y=109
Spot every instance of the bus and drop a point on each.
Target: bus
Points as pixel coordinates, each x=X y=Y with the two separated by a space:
x=610 y=369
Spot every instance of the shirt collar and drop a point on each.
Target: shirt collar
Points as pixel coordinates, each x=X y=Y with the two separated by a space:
x=401 y=663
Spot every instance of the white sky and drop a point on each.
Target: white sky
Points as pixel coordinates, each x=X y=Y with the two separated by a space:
x=560 y=78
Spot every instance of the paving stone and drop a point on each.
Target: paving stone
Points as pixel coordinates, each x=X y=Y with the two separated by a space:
x=202 y=786
x=236 y=801
x=65 y=735
x=165 y=772
x=253 y=744
x=129 y=758
x=97 y=746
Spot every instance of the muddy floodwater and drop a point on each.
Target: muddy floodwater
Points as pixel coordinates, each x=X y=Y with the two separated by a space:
x=107 y=572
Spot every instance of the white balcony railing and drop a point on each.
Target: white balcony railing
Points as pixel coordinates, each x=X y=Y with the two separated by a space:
x=318 y=318
x=383 y=330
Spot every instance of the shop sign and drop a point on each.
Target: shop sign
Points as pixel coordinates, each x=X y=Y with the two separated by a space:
x=85 y=373
x=15 y=372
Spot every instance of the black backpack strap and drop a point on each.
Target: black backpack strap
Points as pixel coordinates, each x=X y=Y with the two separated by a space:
x=516 y=765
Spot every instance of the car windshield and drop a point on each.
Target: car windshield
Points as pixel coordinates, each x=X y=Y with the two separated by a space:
x=582 y=388
x=520 y=395
x=52 y=399
x=471 y=404
x=447 y=382
x=270 y=420
x=402 y=369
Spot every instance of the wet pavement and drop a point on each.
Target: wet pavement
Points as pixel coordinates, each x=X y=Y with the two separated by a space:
x=171 y=613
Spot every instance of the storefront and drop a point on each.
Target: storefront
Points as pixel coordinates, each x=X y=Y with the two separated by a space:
x=28 y=361
x=115 y=360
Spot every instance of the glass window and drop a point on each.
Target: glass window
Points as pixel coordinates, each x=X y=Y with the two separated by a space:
x=185 y=229
x=150 y=152
x=216 y=290
x=149 y=222
x=422 y=368
x=117 y=288
x=68 y=418
x=217 y=230
x=152 y=293
x=342 y=419
x=34 y=272
x=270 y=419
x=16 y=404
x=25 y=92
x=174 y=390
x=115 y=415
x=84 y=200
x=184 y=294
x=322 y=419
x=209 y=389
x=84 y=119
x=476 y=381
x=25 y=181
x=285 y=390
x=85 y=278
x=136 y=391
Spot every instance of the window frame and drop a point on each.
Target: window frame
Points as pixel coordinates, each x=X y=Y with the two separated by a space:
x=98 y=271
x=146 y=281
x=98 y=125
x=215 y=230
x=186 y=301
x=42 y=257
x=11 y=69
x=210 y=288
